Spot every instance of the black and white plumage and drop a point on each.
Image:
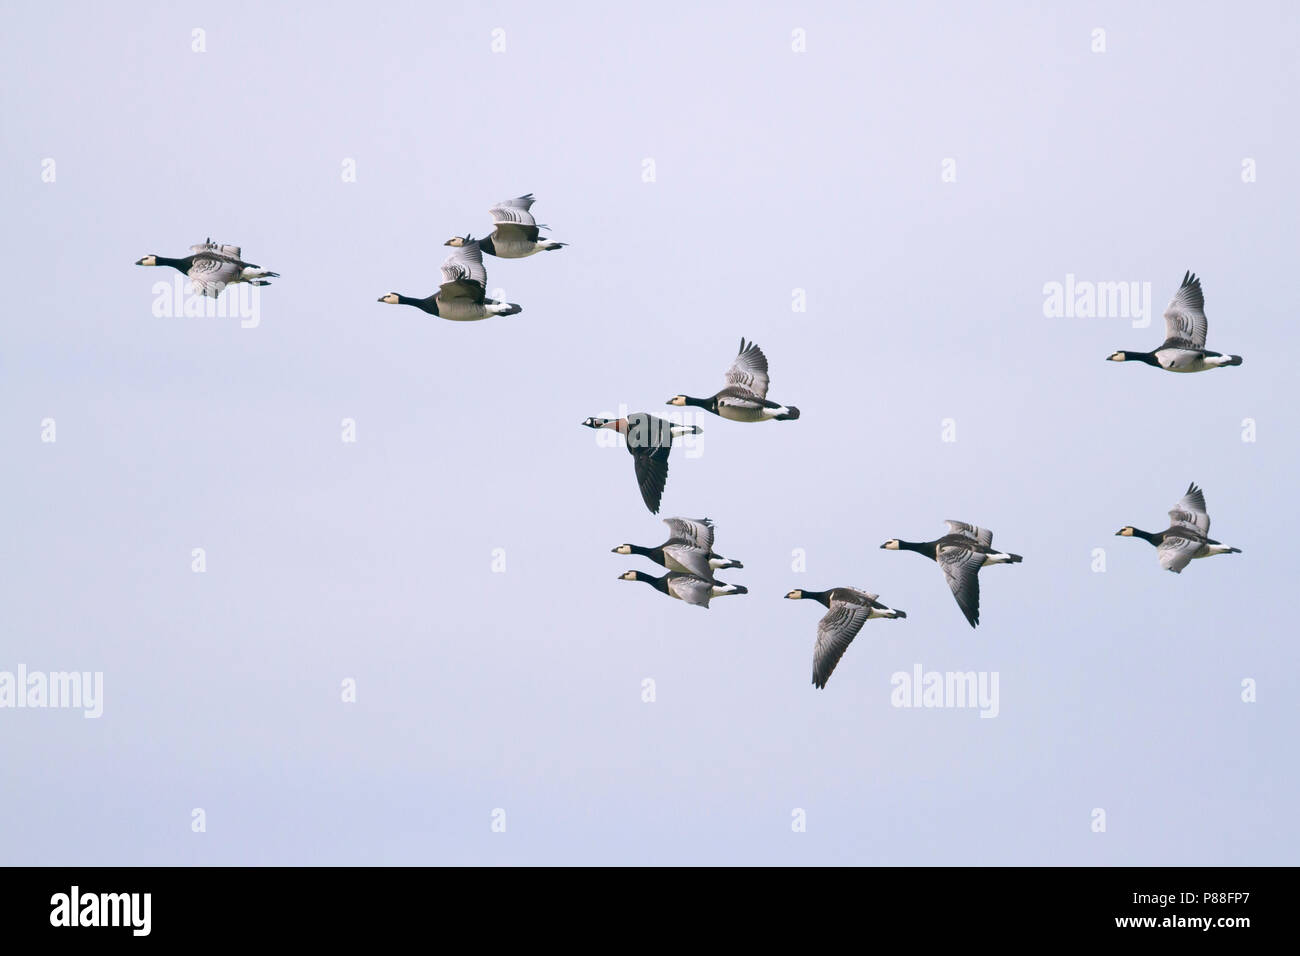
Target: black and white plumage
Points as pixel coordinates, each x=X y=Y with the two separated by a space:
x=689 y=549
x=462 y=295
x=1185 y=328
x=744 y=396
x=960 y=553
x=649 y=441
x=847 y=610
x=211 y=266
x=1188 y=534
x=515 y=233
x=686 y=587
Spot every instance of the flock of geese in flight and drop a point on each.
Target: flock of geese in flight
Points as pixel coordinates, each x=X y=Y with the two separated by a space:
x=687 y=555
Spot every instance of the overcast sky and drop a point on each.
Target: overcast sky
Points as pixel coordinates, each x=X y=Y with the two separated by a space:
x=921 y=173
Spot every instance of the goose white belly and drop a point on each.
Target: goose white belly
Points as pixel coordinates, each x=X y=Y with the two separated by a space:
x=515 y=250
x=462 y=310
x=1181 y=360
x=736 y=413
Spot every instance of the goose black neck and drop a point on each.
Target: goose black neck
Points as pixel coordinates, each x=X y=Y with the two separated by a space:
x=711 y=404
x=429 y=305
x=920 y=547
x=181 y=264
x=1148 y=357
x=659 y=583
x=487 y=245
x=1148 y=536
x=654 y=554
x=823 y=597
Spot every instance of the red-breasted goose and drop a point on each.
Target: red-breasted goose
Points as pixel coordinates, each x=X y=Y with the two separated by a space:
x=649 y=441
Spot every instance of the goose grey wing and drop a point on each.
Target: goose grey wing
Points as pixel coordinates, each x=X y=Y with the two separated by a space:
x=1185 y=322
x=696 y=531
x=981 y=536
x=463 y=275
x=854 y=596
x=691 y=557
x=835 y=632
x=1190 y=512
x=513 y=219
x=210 y=275
x=961 y=568
x=218 y=250
x=690 y=589
x=749 y=370
x=1175 y=551
x=737 y=396
x=652 y=476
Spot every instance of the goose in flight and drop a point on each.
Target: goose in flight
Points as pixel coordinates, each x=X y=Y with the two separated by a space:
x=515 y=234
x=462 y=295
x=212 y=266
x=649 y=441
x=686 y=587
x=961 y=553
x=689 y=549
x=1185 y=327
x=849 y=609
x=744 y=398
x=1187 y=536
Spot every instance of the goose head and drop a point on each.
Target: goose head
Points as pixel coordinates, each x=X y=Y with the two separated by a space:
x=795 y=595
x=678 y=400
x=596 y=422
x=392 y=298
x=631 y=576
x=622 y=549
x=457 y=241
x=1126 y=531
x=891 y=545
x=1117 y=357
x=150 y=260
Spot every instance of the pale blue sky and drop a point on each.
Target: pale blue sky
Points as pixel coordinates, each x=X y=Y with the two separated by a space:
x=522 y=690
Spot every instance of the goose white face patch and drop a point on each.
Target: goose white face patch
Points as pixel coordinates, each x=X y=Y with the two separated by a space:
x=391 y=298
x=891 y=544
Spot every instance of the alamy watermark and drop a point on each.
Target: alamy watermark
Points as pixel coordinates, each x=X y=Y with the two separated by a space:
x=946 y=689
x=175 y=298
x=64 y=690
x=1082 y=299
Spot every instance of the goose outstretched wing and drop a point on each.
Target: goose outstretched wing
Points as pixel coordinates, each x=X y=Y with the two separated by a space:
x=1185 y=322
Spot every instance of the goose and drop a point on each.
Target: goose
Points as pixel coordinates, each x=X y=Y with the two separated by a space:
x=515 y=235
x=649 y=441
x=1187 y=536
x=212 y=266
x=689 y=549
x=849 y=609
x=744 y=398
x=461 y=297
x=1185 y=327
x=961 y=553
x=686 y=587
